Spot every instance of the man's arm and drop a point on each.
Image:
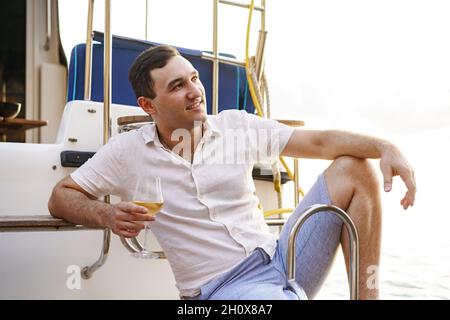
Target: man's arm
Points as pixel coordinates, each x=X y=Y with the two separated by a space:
x=72 y=203
x=331 y=144
x=334 y=143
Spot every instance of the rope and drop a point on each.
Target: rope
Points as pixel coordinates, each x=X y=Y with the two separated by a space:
x=265 y=89
x=247 y=62
x=259 y=96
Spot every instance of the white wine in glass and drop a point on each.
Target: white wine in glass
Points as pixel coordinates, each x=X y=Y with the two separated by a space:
x=152 y=207
x=148 y=194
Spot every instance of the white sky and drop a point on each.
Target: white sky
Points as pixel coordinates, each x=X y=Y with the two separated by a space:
x=385 y=62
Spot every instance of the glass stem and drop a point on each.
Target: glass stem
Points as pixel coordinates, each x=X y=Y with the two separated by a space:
x=145 y=238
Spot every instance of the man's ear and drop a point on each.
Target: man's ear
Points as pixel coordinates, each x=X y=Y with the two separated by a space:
x=147 y=105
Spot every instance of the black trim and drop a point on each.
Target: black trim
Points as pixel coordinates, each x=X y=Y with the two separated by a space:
x=75 y=158
x=266 y=175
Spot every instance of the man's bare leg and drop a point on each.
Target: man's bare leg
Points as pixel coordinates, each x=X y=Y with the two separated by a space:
x=353 y=186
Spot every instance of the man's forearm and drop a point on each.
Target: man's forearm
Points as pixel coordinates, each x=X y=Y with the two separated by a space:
x=76 y=207
x=337 y=143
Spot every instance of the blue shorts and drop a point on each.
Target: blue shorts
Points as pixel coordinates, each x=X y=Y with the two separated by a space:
x=258 y=277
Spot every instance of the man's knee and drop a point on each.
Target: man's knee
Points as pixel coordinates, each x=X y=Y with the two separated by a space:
x=360 y=172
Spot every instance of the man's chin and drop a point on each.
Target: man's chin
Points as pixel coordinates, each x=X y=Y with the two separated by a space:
x=198 y=119
x=201 y=116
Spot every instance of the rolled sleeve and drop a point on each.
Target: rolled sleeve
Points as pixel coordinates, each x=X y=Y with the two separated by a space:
x=268 y=137
x=101 y=175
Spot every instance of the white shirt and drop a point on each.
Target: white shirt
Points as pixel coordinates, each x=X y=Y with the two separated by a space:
x=210 y=220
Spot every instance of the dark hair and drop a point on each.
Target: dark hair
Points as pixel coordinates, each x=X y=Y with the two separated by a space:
x=139 y=74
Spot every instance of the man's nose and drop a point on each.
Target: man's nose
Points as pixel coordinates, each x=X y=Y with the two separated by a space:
x=195 y=90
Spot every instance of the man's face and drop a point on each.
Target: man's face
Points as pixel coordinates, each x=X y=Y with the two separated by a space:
x=180 y=96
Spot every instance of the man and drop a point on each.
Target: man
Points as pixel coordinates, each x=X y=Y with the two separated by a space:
x=210 y=227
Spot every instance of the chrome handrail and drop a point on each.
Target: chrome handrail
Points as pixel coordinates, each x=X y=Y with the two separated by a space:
x=296 y=184
x=243 y=5
x=130 y=247
x=354 y=248
x=215 y=53
x=89 y=270
x=146 y=20
x=88 y=53
x=133 y=245
x=223 y=59
x=48 y=25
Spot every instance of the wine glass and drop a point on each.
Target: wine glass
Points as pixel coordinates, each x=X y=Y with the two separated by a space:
x=148 y=194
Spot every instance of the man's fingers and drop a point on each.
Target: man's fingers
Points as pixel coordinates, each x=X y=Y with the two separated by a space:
x=393 y=163
x=129 y=233
x=129 y=211
x=130 y=229
x=126 y=232
x=387 y=177
x=408 y=178
x=132 y=207
x=411 y=199
x=128 y=219
x=131 y=225
x=408 y=200
x=404 y=202
x=136 y=217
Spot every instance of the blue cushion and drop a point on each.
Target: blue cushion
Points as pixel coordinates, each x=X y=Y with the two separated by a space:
x=233 y=87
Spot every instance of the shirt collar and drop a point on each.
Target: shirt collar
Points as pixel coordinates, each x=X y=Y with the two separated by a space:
x=211 y=129
x=149 y=134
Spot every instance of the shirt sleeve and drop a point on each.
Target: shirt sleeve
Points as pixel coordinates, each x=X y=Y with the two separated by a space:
x=102 y=174
x=268 y=138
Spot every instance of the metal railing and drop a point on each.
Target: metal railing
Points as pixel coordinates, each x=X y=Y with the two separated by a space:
x=107 y=66
x=215 y=52
x=354 y=248
x=88 y=52
x=27 y=223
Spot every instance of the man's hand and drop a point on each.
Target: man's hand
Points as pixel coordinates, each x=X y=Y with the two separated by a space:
x=124 y=219
x=393 y=163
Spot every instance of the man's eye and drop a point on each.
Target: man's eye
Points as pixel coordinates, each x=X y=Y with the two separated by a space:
x=177 y=86
x=194 y=78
